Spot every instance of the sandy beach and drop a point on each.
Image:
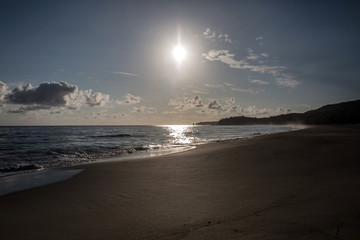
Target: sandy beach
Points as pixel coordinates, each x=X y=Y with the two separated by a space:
x=295 y=185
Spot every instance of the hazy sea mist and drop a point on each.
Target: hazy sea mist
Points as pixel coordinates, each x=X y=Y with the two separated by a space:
x=24 y=149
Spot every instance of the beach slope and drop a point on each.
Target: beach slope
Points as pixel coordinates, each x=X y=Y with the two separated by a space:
x=295 y=185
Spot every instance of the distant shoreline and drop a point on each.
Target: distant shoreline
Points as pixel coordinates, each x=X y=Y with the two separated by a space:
x=341 y=113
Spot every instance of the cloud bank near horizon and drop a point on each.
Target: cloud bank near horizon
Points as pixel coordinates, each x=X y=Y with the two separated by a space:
x=217 y=109
x=49 y=95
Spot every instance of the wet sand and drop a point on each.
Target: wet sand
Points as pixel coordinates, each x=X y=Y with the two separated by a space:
x=296 y=185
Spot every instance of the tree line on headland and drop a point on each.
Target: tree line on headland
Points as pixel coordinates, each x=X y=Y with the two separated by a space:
x=340 y=113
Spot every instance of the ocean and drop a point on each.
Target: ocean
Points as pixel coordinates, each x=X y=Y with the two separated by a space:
x=28 y=149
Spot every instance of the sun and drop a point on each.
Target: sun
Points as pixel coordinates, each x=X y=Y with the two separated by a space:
x=179 y=53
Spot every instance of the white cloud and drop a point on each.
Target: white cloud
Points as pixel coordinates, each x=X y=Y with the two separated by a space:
x=286 y=80
x=129 y=99
x=215 y=108
x=252 y=55
x=230 y=101
x=259 y=38
x=199 y=91
x=196 y=103
x=125 y=73
x=224 y=56
x=254 y=111
x=228 y=58
x=187 y=104
x=144 y=109
x=264 y=55
x=213 y=36
x=96 y=99
x=208 y=34
x=248 y=90
x=213 y=86
x=3 y=91
x=107 y=116
x=260 y=82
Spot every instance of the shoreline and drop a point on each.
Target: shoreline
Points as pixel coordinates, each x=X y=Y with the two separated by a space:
x=297 y=184
x=104 y=145
x=20 y=181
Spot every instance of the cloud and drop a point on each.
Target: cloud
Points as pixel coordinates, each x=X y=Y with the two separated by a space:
x=252 y=55
x=125 y=73
x=260 y=82
x=130 y=99
x=212 y=86
x=197 y=104
x=208 y=34
x=254 y=111
x=221 y=55
x=225 y=38
x=97 y=99
x=107 y=116
x=187 y=104
x=59 y=111
x=215 y=108
x=3 y=91
x=151 y=110
x=199 y=91
x=224 y=56
x=213 y=36
x=230 y=101
x=286 y=80
x=264 y=55
x=144 y=109
x=24 y=109
x=249 y=90
x=139 y=109
x=47 y=96
x=259 y=38
x=215 y=105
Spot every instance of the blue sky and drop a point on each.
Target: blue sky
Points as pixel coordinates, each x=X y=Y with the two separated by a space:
x=110 y=62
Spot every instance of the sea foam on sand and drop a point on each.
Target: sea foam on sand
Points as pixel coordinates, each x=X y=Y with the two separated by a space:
x=16 y=183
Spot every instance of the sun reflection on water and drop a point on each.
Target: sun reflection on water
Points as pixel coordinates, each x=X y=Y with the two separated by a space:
x=179 y=133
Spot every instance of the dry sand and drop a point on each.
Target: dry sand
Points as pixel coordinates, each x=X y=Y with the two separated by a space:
x=297 y=185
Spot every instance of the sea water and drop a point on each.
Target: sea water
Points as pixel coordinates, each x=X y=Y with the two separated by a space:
x=27 y=149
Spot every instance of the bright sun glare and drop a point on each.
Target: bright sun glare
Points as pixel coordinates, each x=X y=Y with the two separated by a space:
x=179 y=53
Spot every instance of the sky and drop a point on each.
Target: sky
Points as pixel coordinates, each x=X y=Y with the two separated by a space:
x=112 y=62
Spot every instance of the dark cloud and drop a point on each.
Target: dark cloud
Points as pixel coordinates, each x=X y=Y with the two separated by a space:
x=24 y=109
x=196 y=102
x=215 y=105
x=49 y=95
x=46 y=94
